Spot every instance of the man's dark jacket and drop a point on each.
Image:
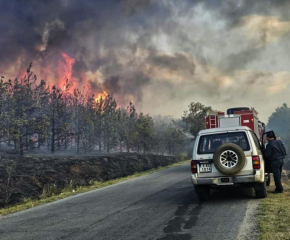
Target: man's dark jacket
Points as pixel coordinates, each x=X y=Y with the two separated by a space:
x=275 y=150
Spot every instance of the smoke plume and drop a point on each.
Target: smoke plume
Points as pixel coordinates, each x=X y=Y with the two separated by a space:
x=161 y=55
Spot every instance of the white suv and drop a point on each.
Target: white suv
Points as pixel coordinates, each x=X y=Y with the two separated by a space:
x=227 y=157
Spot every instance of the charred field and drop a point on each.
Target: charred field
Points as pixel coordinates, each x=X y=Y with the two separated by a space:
x=32 y=177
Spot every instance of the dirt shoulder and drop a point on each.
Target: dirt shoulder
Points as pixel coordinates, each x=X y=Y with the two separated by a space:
x=33 y=176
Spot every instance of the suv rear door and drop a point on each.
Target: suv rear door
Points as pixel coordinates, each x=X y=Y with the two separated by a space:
x=208 y=143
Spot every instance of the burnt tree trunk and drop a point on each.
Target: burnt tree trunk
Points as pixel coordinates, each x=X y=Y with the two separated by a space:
x=78 y=143
x=100 y=145
x=21 y=146
x=52 y=133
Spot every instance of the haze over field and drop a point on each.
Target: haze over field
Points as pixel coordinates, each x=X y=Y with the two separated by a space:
x=161 y=55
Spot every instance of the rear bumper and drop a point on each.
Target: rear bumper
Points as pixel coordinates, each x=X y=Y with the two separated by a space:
x=218 y=180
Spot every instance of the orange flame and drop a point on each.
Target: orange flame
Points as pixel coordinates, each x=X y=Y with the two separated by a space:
x=64 y=77
x=64 y=71
x=69 y=62
x=102 y=95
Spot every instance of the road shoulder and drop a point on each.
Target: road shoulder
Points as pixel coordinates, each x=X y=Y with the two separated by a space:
x=249 y=228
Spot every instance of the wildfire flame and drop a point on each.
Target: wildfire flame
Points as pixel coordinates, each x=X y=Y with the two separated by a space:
x=63 y=77
x=102 y=95
x=64 y=71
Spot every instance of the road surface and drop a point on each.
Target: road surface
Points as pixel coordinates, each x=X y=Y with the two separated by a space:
x=158 y=206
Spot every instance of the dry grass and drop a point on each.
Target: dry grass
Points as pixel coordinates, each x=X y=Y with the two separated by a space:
x=274 y=212
x=68 y=191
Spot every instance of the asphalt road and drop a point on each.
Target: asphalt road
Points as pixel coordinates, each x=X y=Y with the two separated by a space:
x=158 y=206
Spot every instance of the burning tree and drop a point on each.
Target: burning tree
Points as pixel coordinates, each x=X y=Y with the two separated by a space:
x=35 y=116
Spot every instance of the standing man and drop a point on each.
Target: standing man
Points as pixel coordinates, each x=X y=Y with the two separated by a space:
x=275 y=153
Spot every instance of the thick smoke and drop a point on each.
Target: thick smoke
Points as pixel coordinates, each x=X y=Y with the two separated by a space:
x=161 y=55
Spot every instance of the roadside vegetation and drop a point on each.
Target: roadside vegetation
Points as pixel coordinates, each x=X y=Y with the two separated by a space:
x=52 y=194
x=274 y=212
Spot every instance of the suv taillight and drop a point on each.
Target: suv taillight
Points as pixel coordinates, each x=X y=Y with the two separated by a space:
x=193 y=166
x=256 y=162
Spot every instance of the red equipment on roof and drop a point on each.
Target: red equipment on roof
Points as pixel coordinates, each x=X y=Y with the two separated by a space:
x=236 y=117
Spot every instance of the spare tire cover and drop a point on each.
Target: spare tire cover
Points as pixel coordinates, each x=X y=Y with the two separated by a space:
x=229 y=159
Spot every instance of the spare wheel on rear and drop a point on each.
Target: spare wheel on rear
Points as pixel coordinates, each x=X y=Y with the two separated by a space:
x=229 y=159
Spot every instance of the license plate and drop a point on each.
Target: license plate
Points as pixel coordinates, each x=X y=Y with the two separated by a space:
x=225 y=180
x=205 y=167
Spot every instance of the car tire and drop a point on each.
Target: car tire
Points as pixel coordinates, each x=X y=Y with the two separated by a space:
x=260 y=190
x=229 y=166
x=203 y=192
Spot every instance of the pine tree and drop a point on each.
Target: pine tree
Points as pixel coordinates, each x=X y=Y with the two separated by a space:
x=194 y=118
x=144 y=130
x=110 y=117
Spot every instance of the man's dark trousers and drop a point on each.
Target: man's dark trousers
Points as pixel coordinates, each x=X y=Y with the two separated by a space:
x=277 y=171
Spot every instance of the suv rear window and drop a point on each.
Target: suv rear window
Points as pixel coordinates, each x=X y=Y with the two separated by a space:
x=209 y=143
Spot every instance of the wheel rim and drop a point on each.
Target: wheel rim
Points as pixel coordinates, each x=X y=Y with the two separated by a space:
x=229 y=159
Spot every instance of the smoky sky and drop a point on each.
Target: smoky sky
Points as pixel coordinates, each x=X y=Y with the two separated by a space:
x=162 y=54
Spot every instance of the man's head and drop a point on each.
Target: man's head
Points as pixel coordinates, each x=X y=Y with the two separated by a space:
x=270 y=136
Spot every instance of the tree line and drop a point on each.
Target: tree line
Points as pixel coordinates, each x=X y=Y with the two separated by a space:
x=279 y=121
x=35 y=116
